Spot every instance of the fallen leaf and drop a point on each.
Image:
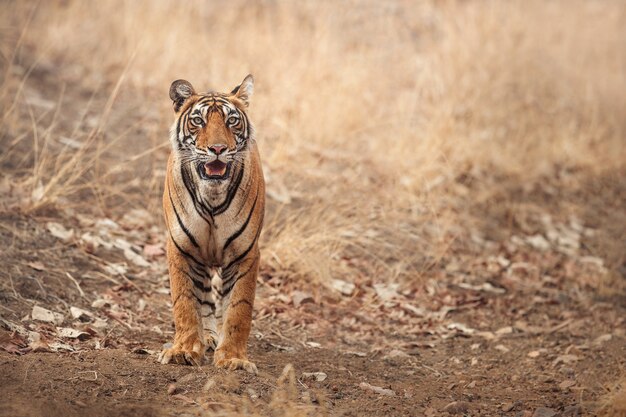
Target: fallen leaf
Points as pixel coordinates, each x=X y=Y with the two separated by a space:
x=59 y=231
x=344 y=287
x=538 y=242
x=355 y=353
x=69 y=333
x=80 y=314
x=135 y=258
x=386 y=292
x=601 y=339
x=47 y=316
x=484 y=287
x=396 y=354
x=318 y=376
x=565 y=359
x=37 y=266
x=300 y=297
x=377 y=390
x=504 y=330
x=462 y=328
x=116 y=269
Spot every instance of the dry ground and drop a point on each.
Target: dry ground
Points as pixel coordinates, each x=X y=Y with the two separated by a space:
x=446 y=220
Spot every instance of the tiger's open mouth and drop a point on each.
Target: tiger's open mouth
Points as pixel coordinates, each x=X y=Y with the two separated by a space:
x=216 y=170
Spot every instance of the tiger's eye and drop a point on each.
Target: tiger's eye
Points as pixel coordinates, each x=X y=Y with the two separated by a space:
x=232 y=120
x=197 y=120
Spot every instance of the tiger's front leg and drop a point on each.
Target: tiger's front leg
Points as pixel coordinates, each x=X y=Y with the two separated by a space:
x=189 y=346
x=231 y=353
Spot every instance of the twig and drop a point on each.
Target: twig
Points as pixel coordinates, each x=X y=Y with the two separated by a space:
x=80 y=290
x=560 y=326
x=111 y=316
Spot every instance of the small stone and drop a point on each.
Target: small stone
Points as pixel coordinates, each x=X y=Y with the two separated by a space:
x=457 y=407
x=568 y=383
x=171 y=389
x=502 y=348
x=507 y=407
x=544 y=412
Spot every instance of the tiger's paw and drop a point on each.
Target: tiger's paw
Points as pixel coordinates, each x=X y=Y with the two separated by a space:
x=181 y=355
x=233 y=364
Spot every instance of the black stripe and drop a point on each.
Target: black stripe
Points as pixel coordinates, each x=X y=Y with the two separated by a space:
x=204 y=302
x=180 y=222
x=245 y=253
x=232 y=189
x=232 y=283
x=185 y=254
x=245 y=224
x=188 y=182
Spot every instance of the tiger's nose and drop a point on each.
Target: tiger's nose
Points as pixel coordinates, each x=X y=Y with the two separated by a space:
x=218 y=149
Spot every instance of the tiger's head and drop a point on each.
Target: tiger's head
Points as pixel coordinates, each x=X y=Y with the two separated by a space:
x=212 y=131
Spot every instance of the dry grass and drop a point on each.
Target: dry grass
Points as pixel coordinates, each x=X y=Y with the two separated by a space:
x=614 y=404
x=367 y=112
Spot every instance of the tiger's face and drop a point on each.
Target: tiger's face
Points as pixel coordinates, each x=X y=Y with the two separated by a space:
x=211 y=132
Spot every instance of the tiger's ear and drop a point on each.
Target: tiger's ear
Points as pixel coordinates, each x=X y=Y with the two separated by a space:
x=180 y=90
x=244 y=90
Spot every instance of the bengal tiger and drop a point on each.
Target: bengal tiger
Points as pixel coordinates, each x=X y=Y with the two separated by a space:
x=214 y=203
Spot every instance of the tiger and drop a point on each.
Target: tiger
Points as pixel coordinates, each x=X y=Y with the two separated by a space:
x=214 y=205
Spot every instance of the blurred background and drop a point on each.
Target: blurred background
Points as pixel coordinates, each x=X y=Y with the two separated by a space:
x=446 y=194
x=388 y=130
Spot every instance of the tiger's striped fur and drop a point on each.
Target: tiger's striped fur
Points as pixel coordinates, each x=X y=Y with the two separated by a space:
x=214 y=202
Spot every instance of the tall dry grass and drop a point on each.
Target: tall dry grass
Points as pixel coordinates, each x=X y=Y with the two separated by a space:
x=367 y=112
